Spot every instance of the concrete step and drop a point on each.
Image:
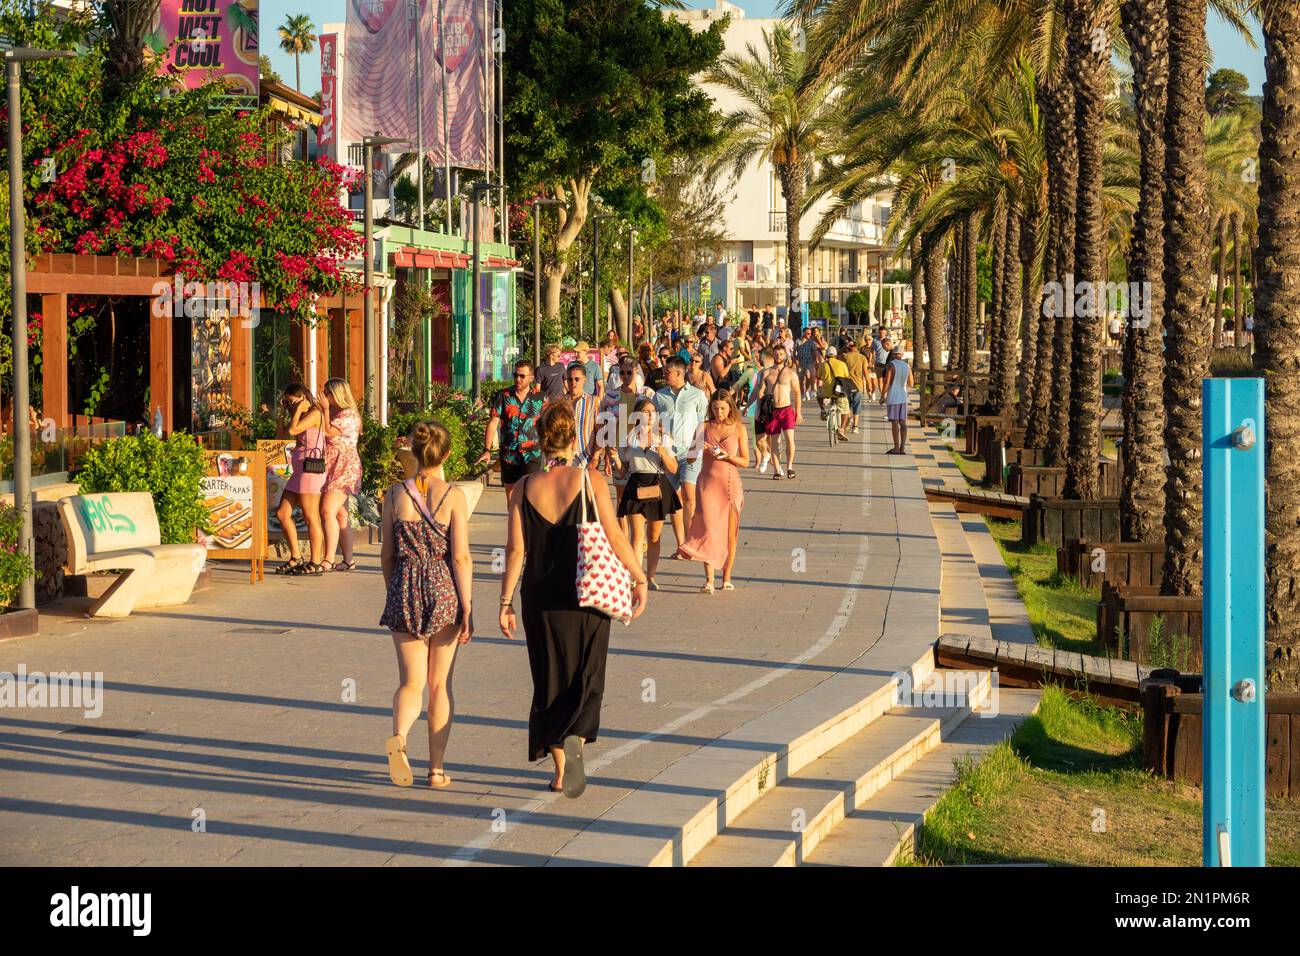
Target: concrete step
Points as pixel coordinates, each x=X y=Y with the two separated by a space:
x=1007 y=618
x=877 y=831
x=963 y=606
x=788 y=822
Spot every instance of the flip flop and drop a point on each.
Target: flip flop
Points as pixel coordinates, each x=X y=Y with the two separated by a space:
x=575 y=775
x=446 y=780
x=399 y=768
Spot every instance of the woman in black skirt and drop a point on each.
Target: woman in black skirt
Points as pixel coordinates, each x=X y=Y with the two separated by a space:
x=567 y=644
x=648 y=497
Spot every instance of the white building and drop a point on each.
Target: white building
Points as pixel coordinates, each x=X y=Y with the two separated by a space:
x=851 y=257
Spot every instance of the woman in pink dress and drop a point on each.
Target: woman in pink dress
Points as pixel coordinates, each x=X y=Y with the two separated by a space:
x=307 y=423
x=342 y=472
x=719 y=495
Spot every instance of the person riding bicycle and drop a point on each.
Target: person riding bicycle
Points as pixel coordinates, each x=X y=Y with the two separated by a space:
x=835 y=388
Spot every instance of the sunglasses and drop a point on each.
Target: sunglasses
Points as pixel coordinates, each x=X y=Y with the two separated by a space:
x=520 y=375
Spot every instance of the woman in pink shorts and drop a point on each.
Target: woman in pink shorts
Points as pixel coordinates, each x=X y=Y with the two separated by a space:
x=307 y=423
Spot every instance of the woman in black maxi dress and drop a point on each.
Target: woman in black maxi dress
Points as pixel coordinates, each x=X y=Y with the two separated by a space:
x=567 y=644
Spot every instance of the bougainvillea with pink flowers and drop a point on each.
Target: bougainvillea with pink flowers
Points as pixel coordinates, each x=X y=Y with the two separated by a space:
x=202 y=192
x=170 y=177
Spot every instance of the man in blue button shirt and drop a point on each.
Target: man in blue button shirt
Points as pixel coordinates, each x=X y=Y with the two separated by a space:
x=682 y=407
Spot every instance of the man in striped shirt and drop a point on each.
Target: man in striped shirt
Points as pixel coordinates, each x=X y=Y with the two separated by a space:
x=586 y=407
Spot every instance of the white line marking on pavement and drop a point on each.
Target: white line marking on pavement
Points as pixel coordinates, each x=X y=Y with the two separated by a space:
x=467 y=853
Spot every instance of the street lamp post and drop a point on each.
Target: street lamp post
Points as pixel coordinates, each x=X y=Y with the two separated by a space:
x=631 y=244
x=372 y=339
x=538 y=204
x=14 y=60
x=475 y=330
x=595 y=273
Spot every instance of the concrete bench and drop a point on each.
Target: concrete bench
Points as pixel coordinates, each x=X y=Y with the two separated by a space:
x=119 y=532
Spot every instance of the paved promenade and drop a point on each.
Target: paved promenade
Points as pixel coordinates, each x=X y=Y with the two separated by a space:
x=247 y=727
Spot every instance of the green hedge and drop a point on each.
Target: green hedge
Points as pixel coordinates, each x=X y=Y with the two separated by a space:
x=463 y=420
x=15 y=566
x=170 y=469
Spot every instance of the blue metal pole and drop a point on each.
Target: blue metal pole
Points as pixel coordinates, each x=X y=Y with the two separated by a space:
x=1232 y=719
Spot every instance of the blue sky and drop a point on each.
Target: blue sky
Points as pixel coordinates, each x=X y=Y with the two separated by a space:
x=1229 y=49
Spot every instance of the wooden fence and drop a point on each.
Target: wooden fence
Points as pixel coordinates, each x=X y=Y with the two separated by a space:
x=1171 y=741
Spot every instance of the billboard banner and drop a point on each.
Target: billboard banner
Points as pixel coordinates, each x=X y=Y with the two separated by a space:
x=380 y=76
x=327 y=132
x=207 y=39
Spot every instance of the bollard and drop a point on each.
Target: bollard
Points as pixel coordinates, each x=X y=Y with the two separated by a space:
x=1232 y=720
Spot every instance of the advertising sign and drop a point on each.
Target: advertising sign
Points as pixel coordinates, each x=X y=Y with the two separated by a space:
x=234 y=496
x=380 y=76
x=202 y=40
x=327 y=132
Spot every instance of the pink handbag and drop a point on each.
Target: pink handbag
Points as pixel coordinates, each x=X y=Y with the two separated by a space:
x=603 y=583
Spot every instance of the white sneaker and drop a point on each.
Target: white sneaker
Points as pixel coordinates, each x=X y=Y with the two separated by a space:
x=762 y=464
x=855 y=429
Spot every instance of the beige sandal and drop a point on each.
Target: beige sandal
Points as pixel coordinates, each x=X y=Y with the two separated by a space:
x=399 y=768
x=446 y=780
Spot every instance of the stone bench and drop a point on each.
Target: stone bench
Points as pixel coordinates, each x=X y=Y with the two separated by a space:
x=119 y=532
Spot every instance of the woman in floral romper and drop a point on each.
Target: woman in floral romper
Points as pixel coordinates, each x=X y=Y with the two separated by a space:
x=342 y=472
x=427 y=578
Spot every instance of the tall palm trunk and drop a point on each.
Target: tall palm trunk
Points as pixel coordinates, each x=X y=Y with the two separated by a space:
x=1187 y=263
x=1064 y=143
x=1237 y=324
x=1221 y=277
x=792 y=187
x=1142 y=496
x=932 y=246
x=1008 y=325
x=918 y=320
x=957 y=296
x=970 y=306
x=1277 y=337
x=1090 y=65
x=1040 y=411
x=1030 y=303
x=994 y=316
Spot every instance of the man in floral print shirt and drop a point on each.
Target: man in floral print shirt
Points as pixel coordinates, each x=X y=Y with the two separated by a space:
x=514 y=424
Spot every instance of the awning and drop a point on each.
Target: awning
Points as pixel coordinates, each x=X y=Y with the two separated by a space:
x=412 y=258
x=293 y=111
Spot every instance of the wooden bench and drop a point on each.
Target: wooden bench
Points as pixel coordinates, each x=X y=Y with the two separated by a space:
x=119 y=532
x=995 y=504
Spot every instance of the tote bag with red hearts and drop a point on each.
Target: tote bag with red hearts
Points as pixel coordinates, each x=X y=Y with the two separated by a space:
x=603 y=583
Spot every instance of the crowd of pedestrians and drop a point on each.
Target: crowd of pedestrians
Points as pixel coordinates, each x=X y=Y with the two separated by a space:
x=597 y=455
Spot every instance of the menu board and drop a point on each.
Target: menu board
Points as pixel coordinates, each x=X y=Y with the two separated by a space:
x=234 y=496
x=210 y=371
x=229 y=504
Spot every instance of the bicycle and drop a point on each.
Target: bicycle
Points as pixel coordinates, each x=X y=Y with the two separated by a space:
x=833 y=422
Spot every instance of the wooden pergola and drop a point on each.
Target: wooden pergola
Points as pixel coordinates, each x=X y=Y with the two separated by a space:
x=333 y=347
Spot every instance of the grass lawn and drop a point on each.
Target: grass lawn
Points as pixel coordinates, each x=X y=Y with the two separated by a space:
x=1068 y=788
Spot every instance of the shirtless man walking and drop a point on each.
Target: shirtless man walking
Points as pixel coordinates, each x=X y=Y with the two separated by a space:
x=780 y=403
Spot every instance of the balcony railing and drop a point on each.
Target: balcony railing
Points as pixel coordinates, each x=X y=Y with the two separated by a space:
x=776 y=221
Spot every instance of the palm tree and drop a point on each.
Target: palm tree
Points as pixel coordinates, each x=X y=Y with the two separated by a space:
x=1187 y=264
x=1089 y=45
x=1142 y=496
x=1277 y=336
x=783 y=121
x=297 y=36
x=127 y=25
